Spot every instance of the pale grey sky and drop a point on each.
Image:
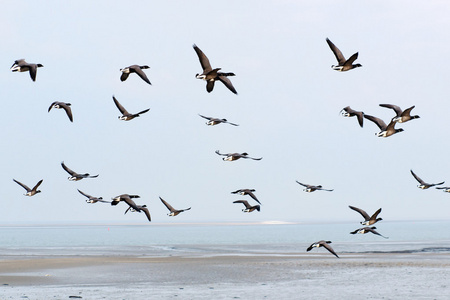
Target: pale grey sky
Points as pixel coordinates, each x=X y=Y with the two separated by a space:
x=288 y=109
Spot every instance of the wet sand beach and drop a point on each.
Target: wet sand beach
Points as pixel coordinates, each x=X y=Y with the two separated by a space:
x=285 y=276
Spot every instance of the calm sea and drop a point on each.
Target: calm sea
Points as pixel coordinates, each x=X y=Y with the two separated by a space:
x=219 y=239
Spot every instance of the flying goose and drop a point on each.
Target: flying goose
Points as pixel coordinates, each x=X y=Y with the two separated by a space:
x=30 y=192
x=140 y=208
x=173 y=212
x=65 y=106
x=386 y=130
x=324 y=244
x=92 y=199
x=343 y=64
x=348 y=112
x=368 y=220
x=312 y=188
x=423 y=185
x=365 y=230
x=235 y=156
x=247 y=192
x=134 y=69
x=248 y=208
x=211 y=75
x=127 y=199
x=215 y=121
x=444 y=188
x=402 y=115
x=75 y=176
x=21 y=65
x=126 y=116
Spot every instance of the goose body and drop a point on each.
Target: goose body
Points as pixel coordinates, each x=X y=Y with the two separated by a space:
x=368 y=220
x=76 y=176
x=21 y=65
x=386 y=130
x=324 y=244
x=126 y=116
x=211 y=75
x=30 y=192
x=343 y=64
x=248 y=208
x=365 y=230
x=65 y=106
x=235 y=156
x=172 y=211
x=92 y=199
x=348 y=112
x=134 y=69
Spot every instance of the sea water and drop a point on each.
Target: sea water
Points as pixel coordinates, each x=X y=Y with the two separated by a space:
x=220 y=239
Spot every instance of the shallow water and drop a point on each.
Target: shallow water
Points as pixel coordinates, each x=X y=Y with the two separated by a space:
x=213 y=239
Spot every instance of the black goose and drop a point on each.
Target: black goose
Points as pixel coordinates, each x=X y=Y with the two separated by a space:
x=21 y=65
x=311 y=188
x=173 y=212
x=365 y=230
x=75 y=176
x=368 y=220
x=248 y=208
x=386 y=130
x=324 y=244
x=423 y=185
x=348 y=112
x=30 y=192
x=235 y=156
x=134 y=69
x=126 y=116
x=402 y=115
x=65 y=106
x=343 y=64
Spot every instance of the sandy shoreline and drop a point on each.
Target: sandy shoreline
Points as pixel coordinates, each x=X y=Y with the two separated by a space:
x=391 y=276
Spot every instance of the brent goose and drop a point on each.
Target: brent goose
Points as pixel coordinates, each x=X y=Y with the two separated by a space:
x=343 y=64
x=126 y=116
x=423 y=185
x=140 y=208
x=211 y=75
x=75 y=176
x=351 y=113
x=365 y=230
x=215 y=121
x=312 y=188
x=402 y=115
x=30 y=192
x=127 y=199
x=65 y=106
x=235 y=156
x=386 y=130
x=173 y=212
x=21 y=65
x=134 y=69
x=368 y=220
x=247 y=192
x=92 y=199
x=324 y=244
x=248 y=208
x=445 y=189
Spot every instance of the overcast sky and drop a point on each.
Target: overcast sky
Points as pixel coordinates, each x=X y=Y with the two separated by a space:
x=287 y=108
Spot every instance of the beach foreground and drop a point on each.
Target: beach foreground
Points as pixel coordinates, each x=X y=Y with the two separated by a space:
x=285 y=276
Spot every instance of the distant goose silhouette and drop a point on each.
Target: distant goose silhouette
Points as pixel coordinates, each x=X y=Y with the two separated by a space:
x=312 y=188
x=30 y=192
x=423 y=185
x=173 y=212
x=140 y=208
x=212 y=75
x=134 y=69
x=386 y=130
x=343 y=64
x=21 y=65
x=367 y=230
x=351 y=113
x=445 y=189
x=248 y=208
x=75 y=176
x=402 y=115
x=247 y=192
x=368 y=220
x=65 y=106
x=236 y=156
x=324 y=244
x=92 y=199
x=126 y=116
x=215 y=121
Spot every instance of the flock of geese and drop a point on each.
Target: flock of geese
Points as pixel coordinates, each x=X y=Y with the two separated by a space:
x=211 y=75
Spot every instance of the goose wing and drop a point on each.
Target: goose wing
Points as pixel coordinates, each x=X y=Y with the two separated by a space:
x=37 y=185
x=305 y=185
x=22 y=185
x=380 y=123
x=362 y=212
x=204 y=61
x=253 y=196
x=33 y=71
x=51 y=106
x=396 y=108
x=217 y=152
x=120 y=107
x=207 y=118
x=141 y=73
x=147 y=213
x=339 y=56
x=328 y=247
x=375 y=215
x=227 y=83
x=66 y=107
x=418 y=178
x=407 y=112
x=243 y=202
x=169 y=207
x=68 y=170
